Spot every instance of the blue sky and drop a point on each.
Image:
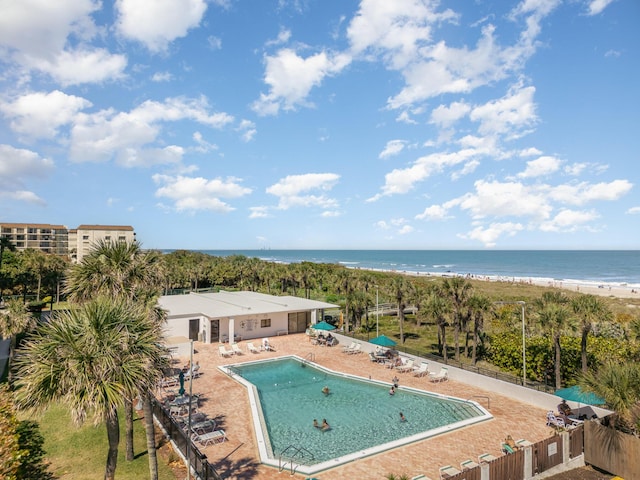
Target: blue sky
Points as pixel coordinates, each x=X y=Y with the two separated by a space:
x=379 y=124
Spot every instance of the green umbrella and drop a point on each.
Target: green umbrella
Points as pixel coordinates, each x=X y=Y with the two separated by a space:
x=383 y=341
x=323 y=326
x=576 y=394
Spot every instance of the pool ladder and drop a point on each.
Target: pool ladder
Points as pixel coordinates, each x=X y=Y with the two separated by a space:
x=295 y=453
x=309 y=357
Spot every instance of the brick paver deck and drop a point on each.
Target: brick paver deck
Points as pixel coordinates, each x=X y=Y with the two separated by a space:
x=227 y=401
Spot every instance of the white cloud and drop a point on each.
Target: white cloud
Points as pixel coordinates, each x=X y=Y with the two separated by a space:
x=158 y=23
x=259 y=212
x=396 y=30
x=434 y=212
x=541 y=166
x=400 y=181
x=634 y=211
x=290 y=78
x=292 y=191
x=19 y=166
x=497 y=199
x=382 y=225
x=41 y=114
x=489 y=235
x=597 y=6
x=106 y=134
x=512 y=112
x=581 y=193
x=39 y=28
x=74 y=67
x=568 y=221
x=215 y=43
x=530 y=152
x=196 y=193
x=445 y=116
x=203 y=145
x=330 y=213
x=247 y=130
x=162 y=77
x=393 y=147
x=405 y=229
x=283 y=37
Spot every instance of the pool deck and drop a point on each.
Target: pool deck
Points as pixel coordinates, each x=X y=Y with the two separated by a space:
x=227 y=401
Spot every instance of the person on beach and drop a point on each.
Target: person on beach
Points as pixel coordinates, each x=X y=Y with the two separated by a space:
x=315 y=423
x=402 y=417
x=325 y=425
x=392 y=390
x=396 y=381
x=325 y=390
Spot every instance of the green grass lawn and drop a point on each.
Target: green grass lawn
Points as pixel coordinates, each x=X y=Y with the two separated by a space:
x=81 y=453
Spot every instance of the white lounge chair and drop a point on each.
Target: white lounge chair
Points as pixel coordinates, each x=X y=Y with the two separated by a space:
x=448 y=471
x=251 y=347
x=195 y=371
x=346 y=348
x=554 y=421
x=209 y=438
x=266 y=345
x=486 y=458
x=236 y=349
x=422 y=370
x=405 y=367
x=441 y=376
x=356 y=349
x=224 y=352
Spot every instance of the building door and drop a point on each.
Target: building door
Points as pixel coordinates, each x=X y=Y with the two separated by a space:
x=215 y=331
x=298 y=321
x=194 y=329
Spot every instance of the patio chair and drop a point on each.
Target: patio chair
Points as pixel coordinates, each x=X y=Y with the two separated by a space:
x=441 y=376
x=251 y=347
x=553 y=421
x=468 y=465
x=224 y=352
x=448 y=471
x=210 y=438
x=405 y=367
x=355 y=350
x=266 y=345
x=346 y=348
x=236 y=349
x=422 y=370
x=194 y=370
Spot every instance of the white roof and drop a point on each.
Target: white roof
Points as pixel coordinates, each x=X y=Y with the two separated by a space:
x=234 y=304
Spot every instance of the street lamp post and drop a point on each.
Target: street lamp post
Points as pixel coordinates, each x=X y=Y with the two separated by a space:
x=377 y=314
x=524 y=347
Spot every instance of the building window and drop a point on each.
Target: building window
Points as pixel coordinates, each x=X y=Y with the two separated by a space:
x=107 y=238
x=122 y=238
x=85 y=237
x=265 y=323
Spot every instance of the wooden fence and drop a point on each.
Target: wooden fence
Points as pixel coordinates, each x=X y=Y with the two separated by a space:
x=612 y=450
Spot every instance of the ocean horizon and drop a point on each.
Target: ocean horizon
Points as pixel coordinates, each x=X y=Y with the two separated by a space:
x=580 y=267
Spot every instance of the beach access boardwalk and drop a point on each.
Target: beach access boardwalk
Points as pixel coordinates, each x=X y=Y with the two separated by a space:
x=226 y=400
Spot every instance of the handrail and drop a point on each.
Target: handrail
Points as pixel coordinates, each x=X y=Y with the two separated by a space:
x=292 y=457
x=310 y=357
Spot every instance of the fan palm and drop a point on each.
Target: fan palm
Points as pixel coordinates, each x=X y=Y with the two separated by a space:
x=589 y=309
x=14 y=320
x=458 y=290
x=90 y=358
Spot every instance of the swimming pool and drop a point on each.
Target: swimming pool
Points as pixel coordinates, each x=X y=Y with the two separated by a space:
x=286 y=396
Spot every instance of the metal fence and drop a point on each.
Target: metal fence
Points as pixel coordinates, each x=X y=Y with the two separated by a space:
x=198 y=461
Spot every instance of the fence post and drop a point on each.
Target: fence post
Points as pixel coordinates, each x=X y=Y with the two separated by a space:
x=484 y=472
x=566 y=447
x=528 y=462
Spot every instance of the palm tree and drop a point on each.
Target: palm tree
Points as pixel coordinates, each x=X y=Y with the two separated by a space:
x=619 y=385
x=91 y=358
x=555 y=320
x=14 y=320
x=589 y=309
x=400 y=288
x=479 y=307
x=438 y=307
x=458 y=290
x=121 y=270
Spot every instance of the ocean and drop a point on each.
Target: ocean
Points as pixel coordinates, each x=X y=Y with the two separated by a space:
x=588 y=267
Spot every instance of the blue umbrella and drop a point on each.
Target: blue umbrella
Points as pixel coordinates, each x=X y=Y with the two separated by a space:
x=576 y=394
x=323 y=326
x=383 y=341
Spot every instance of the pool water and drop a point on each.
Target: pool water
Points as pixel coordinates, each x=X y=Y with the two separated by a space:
x=361 y=413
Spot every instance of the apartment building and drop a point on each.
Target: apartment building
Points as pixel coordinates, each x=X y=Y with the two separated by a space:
x=60 y=240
